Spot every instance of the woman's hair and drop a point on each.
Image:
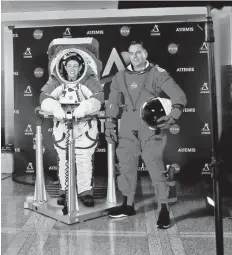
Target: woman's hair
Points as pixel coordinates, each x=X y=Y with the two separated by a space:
x=74 y=57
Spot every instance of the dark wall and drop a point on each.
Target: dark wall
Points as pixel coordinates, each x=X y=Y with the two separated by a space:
x=226 y=95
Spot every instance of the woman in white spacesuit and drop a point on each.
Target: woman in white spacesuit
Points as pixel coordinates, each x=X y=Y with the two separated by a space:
x=89 y=95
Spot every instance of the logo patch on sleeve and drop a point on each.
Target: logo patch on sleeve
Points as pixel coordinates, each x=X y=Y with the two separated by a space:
x=160 y=69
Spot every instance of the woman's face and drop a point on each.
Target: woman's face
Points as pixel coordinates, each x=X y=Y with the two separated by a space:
x=72 y=69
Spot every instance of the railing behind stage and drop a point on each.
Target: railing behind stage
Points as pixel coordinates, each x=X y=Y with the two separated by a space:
x=42 y=203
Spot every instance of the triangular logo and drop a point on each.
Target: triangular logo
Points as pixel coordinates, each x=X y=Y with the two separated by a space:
x=28 y=129
x=28 y=90
x=205 y=86
x=155 y=29
x=206 y=127
x=67 y=31
x=30 y=166
x=204 y=46
x=114 y=58
x=206 y=169
x=27 y=52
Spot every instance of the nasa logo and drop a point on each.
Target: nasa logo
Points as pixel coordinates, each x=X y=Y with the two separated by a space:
x=125 y=31
x=38 y=72
x=38 y=34
x=134 y=85
x=172 y=48
x=174 y=129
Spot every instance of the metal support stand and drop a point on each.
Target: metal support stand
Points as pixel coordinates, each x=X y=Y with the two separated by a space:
x=40 y=194
x=111 y=189
x=45 y=205
x=214 y=166
x=72 y=205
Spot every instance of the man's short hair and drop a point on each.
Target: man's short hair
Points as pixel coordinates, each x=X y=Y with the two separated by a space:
x=136 y=42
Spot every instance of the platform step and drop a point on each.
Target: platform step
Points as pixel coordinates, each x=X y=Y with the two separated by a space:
x=99 y=192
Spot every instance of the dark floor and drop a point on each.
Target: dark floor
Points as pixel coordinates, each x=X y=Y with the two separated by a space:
x=192 y=231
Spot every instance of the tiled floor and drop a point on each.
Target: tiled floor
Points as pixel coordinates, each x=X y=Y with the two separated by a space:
x=192 y=232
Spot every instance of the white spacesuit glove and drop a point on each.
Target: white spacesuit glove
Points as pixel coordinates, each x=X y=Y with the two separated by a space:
x=59 y=114
x=87 y=107
x=52 y=106
x=78 y=113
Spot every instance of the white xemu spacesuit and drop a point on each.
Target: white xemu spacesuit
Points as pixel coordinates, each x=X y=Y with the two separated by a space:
x=86 y=90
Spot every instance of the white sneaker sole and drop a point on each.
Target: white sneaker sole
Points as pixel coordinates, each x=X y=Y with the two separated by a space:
x=118 y=216
x=163 y=227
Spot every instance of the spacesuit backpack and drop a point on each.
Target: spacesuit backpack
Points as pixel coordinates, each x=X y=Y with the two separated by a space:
x=86 y=52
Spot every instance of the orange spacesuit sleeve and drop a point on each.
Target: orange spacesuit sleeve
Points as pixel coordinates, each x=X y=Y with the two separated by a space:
x=94 y=85
x=48 y=88
x=177 y=96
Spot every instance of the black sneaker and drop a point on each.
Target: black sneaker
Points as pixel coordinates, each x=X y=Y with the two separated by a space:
x=87 y=200
x=164 y=218
x=123 y=210
x=61 y=199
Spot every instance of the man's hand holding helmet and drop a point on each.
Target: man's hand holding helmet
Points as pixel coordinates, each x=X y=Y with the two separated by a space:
x=167 y=121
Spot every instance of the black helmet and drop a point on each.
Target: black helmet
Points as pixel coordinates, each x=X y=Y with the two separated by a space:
x=153 y=109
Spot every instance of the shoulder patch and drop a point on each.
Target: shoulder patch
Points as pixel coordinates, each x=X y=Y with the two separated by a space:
x=160 y=69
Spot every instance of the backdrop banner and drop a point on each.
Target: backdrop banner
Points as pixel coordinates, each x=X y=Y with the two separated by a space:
x=178 y=48
x=226 y=97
